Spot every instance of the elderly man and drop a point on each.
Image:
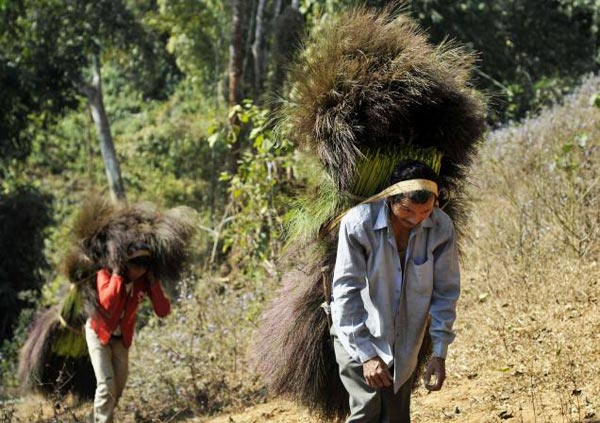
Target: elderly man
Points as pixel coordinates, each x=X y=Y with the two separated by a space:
x=396 y=267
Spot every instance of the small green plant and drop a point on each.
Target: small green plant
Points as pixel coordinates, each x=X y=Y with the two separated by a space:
x=258 y=189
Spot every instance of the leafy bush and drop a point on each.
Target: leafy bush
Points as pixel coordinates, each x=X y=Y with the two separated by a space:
x=257 y=193
x=25 y=214
x=529 y=59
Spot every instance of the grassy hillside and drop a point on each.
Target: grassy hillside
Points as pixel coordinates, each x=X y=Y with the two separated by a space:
x=528 y=344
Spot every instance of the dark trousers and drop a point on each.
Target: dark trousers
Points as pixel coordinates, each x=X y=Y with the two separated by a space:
x=371 y=405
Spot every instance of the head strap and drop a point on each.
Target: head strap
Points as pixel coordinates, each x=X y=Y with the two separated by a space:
x=401 y=187
x=404 y=187
x=139 y=253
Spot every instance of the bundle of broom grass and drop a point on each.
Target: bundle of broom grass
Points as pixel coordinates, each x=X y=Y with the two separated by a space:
x=69 y=341
x=54 y=359
x=368 y=92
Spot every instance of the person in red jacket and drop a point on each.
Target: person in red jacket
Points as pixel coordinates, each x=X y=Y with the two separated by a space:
x=109 y=332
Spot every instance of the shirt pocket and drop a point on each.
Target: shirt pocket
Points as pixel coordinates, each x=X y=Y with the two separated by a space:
x=421 y=275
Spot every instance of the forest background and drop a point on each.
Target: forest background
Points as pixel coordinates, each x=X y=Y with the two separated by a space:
x=171 y=102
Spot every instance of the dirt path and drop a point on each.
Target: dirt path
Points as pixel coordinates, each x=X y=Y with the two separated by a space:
x=482 y=398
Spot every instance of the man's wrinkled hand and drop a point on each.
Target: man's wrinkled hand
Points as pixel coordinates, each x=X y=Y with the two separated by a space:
x=436 y=367
x=377 y=374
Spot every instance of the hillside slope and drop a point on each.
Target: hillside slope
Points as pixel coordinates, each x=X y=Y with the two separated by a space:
x=528 y=331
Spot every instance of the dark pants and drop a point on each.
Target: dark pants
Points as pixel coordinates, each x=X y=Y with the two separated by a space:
x=371 y=405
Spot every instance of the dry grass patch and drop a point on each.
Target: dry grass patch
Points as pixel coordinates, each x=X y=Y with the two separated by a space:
x=528 y=344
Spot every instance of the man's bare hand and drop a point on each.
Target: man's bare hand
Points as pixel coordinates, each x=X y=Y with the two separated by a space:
x=435 y=367
x=377 y=373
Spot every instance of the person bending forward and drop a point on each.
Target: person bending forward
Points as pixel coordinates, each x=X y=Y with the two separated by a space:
x=109 y=332
x=396 y=267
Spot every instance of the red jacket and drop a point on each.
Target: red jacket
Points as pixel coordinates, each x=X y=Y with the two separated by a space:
x=114 y=302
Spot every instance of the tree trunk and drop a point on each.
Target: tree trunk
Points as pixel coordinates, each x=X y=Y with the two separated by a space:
x=258 y=50
x=276 y=8
x=249 y=10
x=93 y=93
x=287 y=30
x=295 y=4
x=235 y=75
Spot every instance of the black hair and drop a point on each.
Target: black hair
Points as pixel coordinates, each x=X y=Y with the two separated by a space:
x=413 y=169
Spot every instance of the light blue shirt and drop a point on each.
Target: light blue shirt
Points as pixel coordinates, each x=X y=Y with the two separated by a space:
x=378 y=311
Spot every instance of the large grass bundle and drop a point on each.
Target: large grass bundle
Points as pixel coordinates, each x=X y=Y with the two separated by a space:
x=369 y=81
x=294 y=351
x=46 y=364
x=101 y=237
x=368 y=92
x=104 y=231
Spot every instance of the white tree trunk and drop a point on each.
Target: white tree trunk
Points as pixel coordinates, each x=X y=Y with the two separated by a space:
x=276 y=8
x=93 y=93
x=258 y=50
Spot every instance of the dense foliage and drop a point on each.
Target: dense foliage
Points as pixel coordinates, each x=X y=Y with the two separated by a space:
x=25 y=213
x=165 y=74
x=531 y=51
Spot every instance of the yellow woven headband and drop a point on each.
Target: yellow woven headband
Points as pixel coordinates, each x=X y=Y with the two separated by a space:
x=404 y=187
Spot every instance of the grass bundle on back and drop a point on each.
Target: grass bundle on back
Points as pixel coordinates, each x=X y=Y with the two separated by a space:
x=101 y=237
x=368 y=92
x=374 y=170
x=293 y=353
x=45 y=366
x=312 y=212
x=370 y=80
x=103 y=232
x=69 y=340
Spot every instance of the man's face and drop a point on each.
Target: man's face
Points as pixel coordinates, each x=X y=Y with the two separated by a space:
x=135 y=271
x=409 y=214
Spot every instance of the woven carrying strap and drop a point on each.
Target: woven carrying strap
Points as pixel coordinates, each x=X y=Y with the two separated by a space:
x=401 y=187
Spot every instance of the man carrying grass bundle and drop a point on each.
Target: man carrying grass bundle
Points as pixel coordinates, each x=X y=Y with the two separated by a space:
x=109 y=332
x=369 y=93
x=397 y=264
x=118 y=253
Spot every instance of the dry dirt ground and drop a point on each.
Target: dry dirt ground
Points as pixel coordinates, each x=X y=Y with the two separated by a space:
x=462 y=400
x=526 y=355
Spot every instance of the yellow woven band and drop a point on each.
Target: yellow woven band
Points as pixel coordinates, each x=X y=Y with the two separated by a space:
x=401 y=187
x=404 y=187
